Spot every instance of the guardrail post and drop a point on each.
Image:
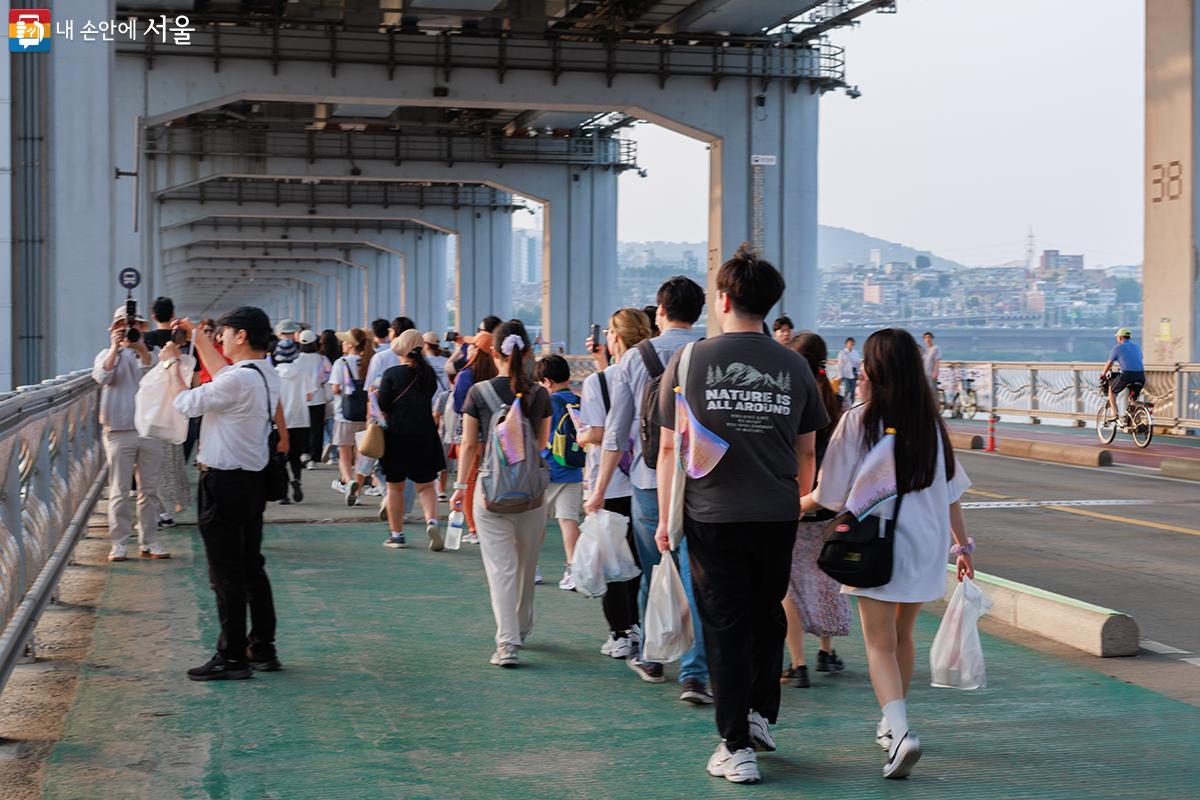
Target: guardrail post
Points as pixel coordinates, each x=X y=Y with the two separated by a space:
x=1179 y=405
x=1077 y=379
x=1033 y=396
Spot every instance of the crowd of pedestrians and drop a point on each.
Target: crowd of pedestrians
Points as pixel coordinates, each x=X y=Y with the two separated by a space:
x=518 y=445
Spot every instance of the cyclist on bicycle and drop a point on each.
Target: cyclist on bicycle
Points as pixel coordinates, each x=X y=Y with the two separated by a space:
x=1133 y=371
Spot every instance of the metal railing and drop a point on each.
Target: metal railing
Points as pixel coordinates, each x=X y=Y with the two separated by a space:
x=52 y=469
x=1037 y=390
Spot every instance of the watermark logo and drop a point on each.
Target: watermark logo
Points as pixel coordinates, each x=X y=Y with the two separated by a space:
x=29 y=30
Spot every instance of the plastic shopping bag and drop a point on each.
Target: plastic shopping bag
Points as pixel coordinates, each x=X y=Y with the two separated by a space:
x=956 y=657
x=154 y=412
x=587 y=564
x=668 y=619
x=616 y=558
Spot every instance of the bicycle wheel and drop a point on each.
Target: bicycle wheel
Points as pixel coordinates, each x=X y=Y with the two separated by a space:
x=1142 y=429
x=1106 y=428
x=970 y=405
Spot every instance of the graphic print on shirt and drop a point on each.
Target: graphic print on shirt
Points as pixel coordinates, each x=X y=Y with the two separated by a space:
x=746 y=398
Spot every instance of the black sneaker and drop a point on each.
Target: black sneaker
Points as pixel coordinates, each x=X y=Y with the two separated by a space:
x=796 y=676
x=352 y=494
x=265 y=664
x=829 y=662
x=649 y=671
x=297 y=492
x=284 y=501
x=696 y=691
x=220 y=668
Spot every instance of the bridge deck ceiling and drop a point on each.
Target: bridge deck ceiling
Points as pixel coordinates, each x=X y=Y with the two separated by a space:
x=347 y=192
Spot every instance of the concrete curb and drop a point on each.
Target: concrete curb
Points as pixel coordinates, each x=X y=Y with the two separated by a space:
x=1078 y=454
x=1092 y=629
x=1176 y=467
x=966 y=441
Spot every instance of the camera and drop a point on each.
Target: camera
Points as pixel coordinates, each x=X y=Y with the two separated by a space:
x=132 y=334
x=450 y=336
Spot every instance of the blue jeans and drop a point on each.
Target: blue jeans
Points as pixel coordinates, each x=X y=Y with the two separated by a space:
x=645 y=522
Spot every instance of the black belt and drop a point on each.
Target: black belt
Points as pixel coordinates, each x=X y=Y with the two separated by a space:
x=206 y=468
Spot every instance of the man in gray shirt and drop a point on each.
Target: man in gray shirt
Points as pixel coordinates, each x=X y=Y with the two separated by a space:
x=680 y=301
x=119 y=369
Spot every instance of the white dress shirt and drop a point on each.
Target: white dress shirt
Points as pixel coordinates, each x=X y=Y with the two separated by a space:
x=849 y=362
x=235 y=410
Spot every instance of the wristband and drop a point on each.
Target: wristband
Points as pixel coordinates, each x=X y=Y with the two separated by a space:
x=460 y=485
x=963 y=549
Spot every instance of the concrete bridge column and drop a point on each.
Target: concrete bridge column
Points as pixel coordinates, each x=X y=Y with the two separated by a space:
x=484 y=265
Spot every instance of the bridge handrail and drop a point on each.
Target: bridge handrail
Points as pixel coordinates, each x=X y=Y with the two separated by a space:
x=52 y=469
x=1040 y=390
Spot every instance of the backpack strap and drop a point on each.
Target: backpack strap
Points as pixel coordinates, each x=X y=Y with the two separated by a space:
x=604 y=391
x=650 y=358
x=488 y=393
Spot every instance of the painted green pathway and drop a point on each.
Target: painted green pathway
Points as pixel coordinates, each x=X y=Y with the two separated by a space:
x=388 y=694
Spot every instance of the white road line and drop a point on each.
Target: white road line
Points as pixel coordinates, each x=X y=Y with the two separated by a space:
x=1163 y=649
x=1195 y=662
x=990 y=504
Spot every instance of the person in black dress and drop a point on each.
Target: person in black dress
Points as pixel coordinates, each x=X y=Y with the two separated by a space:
x=414 y=450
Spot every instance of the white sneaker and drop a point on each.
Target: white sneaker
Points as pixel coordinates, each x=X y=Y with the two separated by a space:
x=373 y=491
x=118 y=553
x=567 y=584
x=339 y=487
x=635 y=636
x=739 y=767
x=883 y=734
x=471 y=537
x=606 y=649
x=505 y=656
x=436 y=542
x=155 y=550
x=902 y=756
x=622 y=648
x=760 y=732
x=311 y=465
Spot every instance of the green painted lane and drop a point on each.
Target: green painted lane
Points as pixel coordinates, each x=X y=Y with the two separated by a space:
x=387 y=693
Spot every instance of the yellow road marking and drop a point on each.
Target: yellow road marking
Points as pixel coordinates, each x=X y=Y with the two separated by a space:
x=1141 y=523
x=991 y=495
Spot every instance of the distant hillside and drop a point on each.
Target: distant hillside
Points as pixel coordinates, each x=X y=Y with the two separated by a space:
x=841 y=245
x=834 y=246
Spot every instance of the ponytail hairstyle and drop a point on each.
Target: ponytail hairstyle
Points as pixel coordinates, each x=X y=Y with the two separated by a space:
x=410 y=344
x=813 y=348
x=512 y=343
x=902 y=398
x=631 y=325
x=362 y=346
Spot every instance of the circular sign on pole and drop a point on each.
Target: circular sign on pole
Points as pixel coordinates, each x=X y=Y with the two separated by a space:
x=130 y=278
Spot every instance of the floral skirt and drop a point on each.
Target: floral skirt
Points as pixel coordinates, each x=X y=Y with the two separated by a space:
x=825 y=610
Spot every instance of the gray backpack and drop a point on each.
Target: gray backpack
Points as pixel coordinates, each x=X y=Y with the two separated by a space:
x=510 y=488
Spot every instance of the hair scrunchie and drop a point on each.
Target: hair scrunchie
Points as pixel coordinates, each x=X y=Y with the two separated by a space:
x=512 y=342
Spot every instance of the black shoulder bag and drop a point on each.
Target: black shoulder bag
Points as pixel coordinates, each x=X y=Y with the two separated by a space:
x=857 y=553
x=275 y=480
x=354 y=404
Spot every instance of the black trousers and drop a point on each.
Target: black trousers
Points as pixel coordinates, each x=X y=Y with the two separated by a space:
x=298 y=445
x=231 y=504
x=621 y=599
x=740 y=575
x=193 y=436
x=316 y=432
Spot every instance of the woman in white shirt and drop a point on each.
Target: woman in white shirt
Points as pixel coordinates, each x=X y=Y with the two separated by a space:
x=931 y=483
x=348 y=378
x=300 y=381
x=626 y=328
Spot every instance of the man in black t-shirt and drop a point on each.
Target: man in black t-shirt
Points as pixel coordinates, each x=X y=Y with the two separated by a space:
x=740 y=518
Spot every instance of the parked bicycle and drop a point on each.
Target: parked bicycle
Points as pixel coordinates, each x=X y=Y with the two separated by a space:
x=965 y=404
x=1137 y=419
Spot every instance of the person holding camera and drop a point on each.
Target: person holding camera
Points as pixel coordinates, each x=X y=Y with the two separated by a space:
x=234 y=450
x=119 y=369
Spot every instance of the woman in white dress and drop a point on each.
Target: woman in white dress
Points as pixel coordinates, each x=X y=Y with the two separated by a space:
x=899 y=396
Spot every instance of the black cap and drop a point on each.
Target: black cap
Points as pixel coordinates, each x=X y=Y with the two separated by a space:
x=254 y=321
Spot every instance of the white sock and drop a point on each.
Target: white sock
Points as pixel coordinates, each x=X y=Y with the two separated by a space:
x=397 y=533
x=896 y=714
x=431 y=522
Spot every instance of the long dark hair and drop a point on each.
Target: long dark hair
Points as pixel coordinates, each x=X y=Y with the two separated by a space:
x=813 y=348
x=901 y=398
x=331 y=348
x=518 y=379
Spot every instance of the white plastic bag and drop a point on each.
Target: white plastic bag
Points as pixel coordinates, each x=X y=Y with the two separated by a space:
x=602 y=555
x=956 y=657
x=154 y=413
x=668 y=619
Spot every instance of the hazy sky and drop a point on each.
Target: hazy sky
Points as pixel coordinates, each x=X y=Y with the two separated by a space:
x=976 y=121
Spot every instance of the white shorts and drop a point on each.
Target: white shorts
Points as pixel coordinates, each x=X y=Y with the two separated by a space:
x=564 y=501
